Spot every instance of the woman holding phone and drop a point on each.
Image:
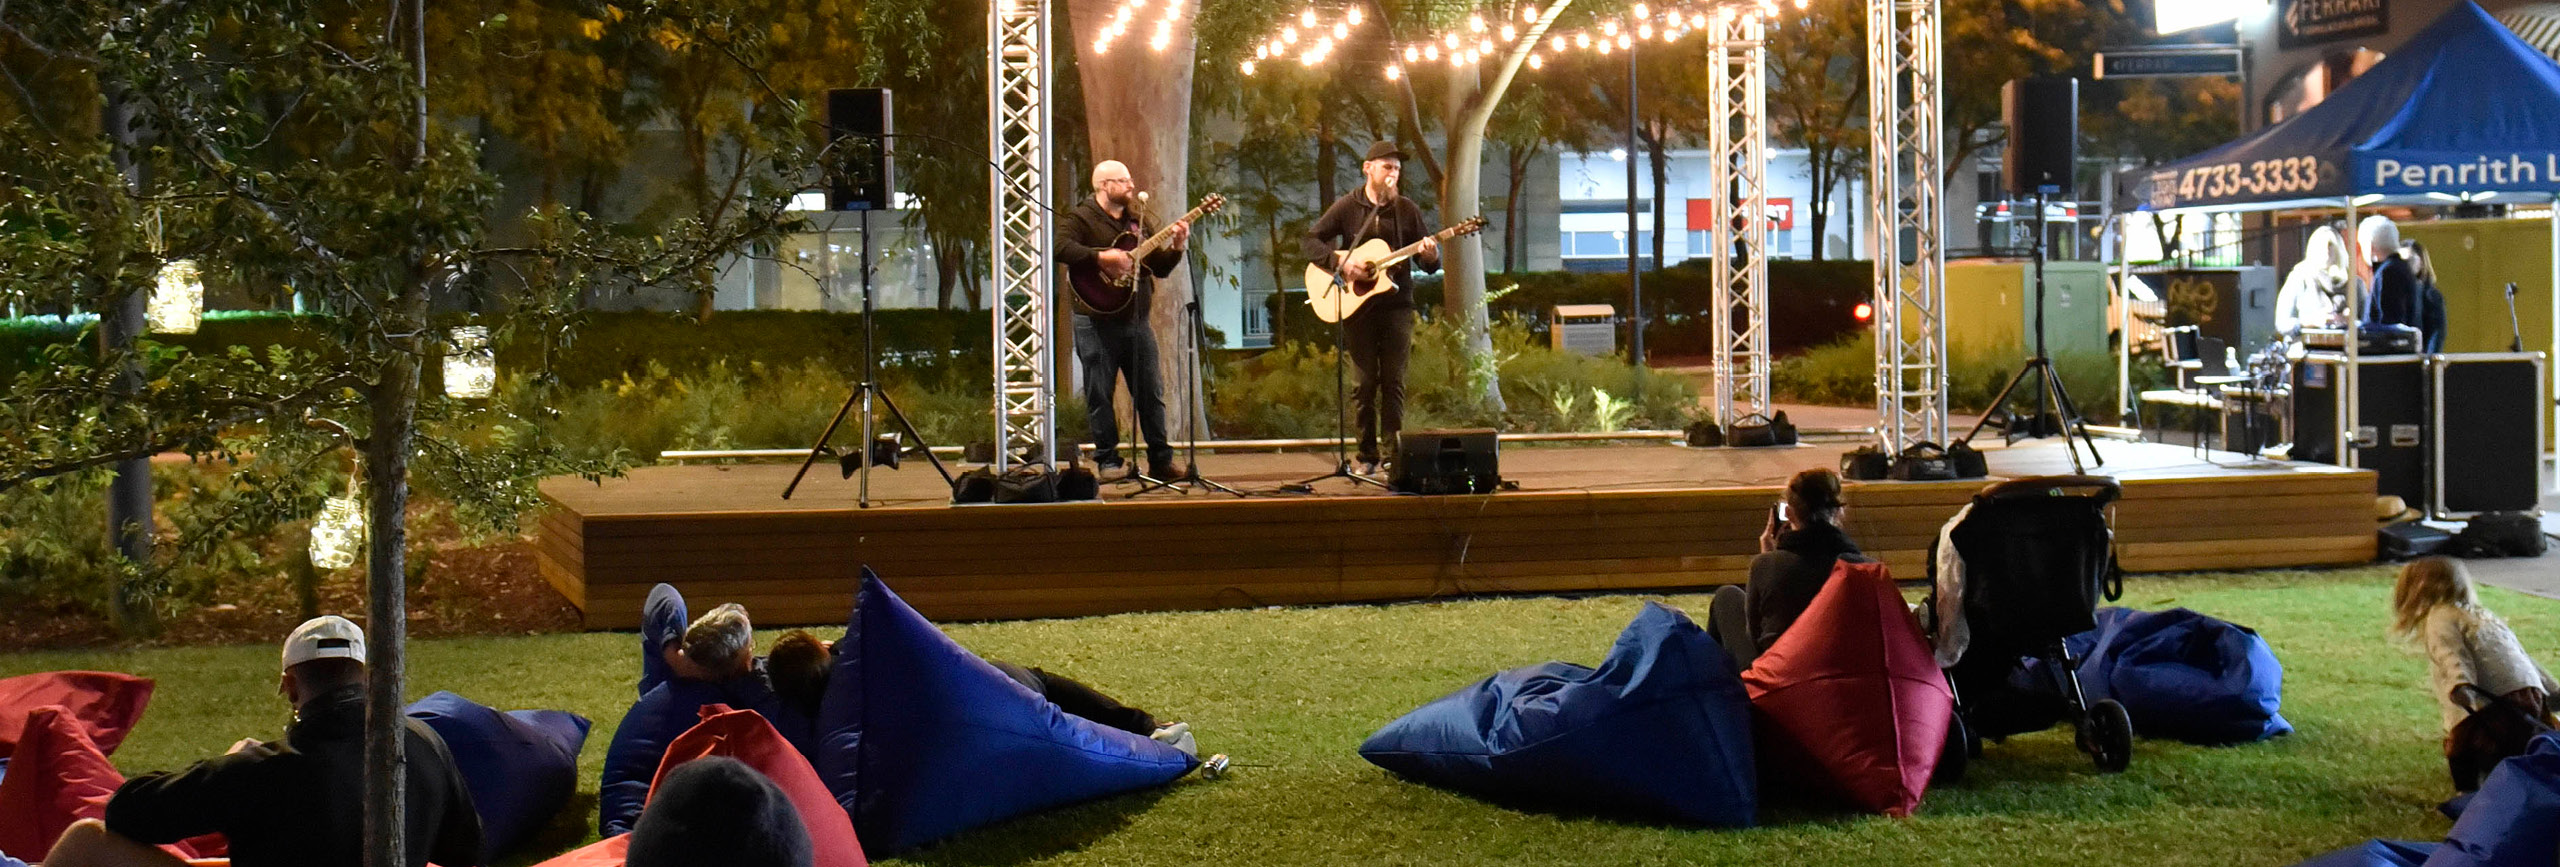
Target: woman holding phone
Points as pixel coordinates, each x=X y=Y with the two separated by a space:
x=1798 y=547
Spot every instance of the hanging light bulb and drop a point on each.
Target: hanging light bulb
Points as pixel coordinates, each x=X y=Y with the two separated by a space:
x=1529 y=14
x=1412 y=54
x=1431 y=51
x=1537 y=61
x=1698 y=20
x=337 y=533
x=1352 y=15
x=1247 y=67
x=176 y=304
x=1475 y=23
x=1609 y=27
x=471 y=366
x=1450 y=39
x=1623 y=42
x=1605 y=45
x=1509 y=32
x=1643 y=11
x=1307 y=18
x=1289 y=36
x=1394 y=72
x=1341 y=31
x=1556 y=42
x=1582 y=40
x=1644 y=30
x=1484 y=47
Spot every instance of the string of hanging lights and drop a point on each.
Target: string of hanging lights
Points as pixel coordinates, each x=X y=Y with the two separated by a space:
x=1311 y=37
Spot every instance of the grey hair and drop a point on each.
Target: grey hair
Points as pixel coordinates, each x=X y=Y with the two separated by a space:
x=2379 y=235
x=719 y=637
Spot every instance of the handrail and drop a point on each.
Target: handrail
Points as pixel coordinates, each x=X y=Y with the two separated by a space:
x=1297 y=443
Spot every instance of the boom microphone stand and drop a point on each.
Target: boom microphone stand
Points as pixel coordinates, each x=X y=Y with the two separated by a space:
x=1341 y=419
x=2049 y=388
x=865 y=392
x=1190 y=477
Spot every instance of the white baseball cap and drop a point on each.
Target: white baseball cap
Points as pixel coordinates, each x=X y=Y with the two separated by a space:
x=325 y=637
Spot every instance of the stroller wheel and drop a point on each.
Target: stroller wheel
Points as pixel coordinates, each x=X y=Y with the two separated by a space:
x=2107 y=736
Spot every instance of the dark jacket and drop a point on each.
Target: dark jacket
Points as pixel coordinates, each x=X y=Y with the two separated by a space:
x=666 y=711
x=1353 y=219
x=2431 y=315
x=2394 y=298
x=1784 y=581
x=1086 y=230
x=301 y=802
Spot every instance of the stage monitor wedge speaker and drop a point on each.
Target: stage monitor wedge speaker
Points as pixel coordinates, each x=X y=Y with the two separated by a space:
x=1446 y=462
x=2043 y=117
x=860 y=125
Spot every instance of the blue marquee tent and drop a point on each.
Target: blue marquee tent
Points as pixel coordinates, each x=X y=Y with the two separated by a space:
x=2462 y=109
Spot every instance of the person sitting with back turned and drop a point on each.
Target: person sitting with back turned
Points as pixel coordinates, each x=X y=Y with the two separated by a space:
x=712 y=661
x=297 y=802
x=2392 y=297
x=1795 y=562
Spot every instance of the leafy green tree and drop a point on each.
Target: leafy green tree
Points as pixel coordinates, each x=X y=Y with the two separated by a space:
x=202 y=140
x=1818 y=97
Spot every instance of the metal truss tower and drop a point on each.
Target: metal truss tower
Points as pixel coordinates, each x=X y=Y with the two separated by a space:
x=1018 y=133
x=1739 y=142
x=1905 y=222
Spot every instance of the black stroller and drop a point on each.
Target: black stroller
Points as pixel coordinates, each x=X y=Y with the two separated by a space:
x=2038 y=553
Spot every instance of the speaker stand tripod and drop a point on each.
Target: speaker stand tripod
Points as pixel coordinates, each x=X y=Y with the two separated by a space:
x=865 y=392
x=1190 y=477
x=1341 y=420
x=2051 y=396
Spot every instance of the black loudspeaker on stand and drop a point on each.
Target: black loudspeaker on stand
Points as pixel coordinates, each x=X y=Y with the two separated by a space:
x=862 y=174
x=2044 y=130
x=851 y=113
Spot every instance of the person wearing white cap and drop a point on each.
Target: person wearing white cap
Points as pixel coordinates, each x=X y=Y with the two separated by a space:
x=296 y=802
x=2392 y=297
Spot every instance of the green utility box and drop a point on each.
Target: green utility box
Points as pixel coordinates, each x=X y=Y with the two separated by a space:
x=1991 y=308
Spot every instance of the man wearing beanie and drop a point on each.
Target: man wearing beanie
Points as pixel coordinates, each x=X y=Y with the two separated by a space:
x=296 y=802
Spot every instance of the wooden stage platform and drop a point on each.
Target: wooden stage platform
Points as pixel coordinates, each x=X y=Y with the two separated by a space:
x=1594 y=518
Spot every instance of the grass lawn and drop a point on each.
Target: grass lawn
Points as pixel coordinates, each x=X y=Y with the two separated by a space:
x=1291 y=693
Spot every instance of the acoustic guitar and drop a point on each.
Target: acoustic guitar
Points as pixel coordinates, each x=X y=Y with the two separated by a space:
x=1103 y=296
x=1335 y=300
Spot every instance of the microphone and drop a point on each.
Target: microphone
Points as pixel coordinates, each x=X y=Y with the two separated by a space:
x=1143 y=197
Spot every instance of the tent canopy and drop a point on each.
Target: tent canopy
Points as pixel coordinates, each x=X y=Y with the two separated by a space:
x=2462 y=109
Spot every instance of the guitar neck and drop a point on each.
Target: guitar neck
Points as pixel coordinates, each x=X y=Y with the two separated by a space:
x=1408 y=250
x=1148 y=247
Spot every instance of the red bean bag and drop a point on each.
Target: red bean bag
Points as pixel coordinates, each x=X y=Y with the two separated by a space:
x=105 y=703
x=607 y=852
x=746 y=736
x=59 y=776
x=1851 y=697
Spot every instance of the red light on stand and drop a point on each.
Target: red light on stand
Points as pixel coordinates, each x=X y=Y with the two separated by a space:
x=1864 y=311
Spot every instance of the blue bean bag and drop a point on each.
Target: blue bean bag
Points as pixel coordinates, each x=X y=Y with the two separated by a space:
x=1661 y=730
x=2515 y=820
x=521 y=765
x=640 y=741
x=2180 y=674
x=920 y=739
x=2375 y=853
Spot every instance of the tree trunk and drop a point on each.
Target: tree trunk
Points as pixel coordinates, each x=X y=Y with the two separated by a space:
x=394 y=405
x=1818 y=168
x=946 y=272
x=120 y=323
x=1518 y=159
x=1661 y=184
x=1328 y=187
x=1137 y=105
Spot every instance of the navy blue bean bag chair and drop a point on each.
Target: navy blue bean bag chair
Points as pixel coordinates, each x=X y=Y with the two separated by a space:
x=2180 y=674
x=920 y=739
x=640 y=741
x=2515 y=819
x=521 y=765
x=1661 y=730
x=2375 y=853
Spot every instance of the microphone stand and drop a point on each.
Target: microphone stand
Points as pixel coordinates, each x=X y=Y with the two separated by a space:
x=1341 y=347
x=2515 y=331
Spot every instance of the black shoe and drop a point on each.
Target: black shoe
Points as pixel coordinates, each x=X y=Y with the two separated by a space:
x=1162 y=472
x=1105 y=464
x=1370 y=467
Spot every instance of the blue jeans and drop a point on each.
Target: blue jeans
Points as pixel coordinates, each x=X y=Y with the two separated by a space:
x=662 y=623
x=1110 y=349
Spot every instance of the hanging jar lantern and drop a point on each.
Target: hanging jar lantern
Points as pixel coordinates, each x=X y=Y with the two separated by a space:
x=337 y=533
x=177 y=298
x=471 y=364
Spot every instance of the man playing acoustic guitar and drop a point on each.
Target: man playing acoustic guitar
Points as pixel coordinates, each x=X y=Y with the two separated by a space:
x=1098 y=234
x=1379 y=335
